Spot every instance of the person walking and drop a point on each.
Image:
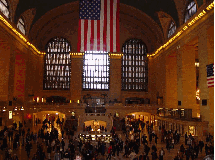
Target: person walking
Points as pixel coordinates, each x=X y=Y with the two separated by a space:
x=156 y=139
x=185 y=138
x=28 y=147
x=109 y=152
x=161 y=154
x=49 y=150
x=57 y=156
x=154 y=155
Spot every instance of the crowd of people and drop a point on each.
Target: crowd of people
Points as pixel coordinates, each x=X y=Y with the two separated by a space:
x=139 y=144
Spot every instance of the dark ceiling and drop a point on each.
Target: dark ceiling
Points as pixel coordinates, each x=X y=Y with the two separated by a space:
x=150 y=7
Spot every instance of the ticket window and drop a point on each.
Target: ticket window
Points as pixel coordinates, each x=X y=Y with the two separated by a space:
x=192 y=130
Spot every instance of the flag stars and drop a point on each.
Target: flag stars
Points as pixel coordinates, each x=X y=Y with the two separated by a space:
x=90 y=9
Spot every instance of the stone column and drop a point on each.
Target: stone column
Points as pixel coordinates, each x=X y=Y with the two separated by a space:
x=210 y=50
x=179 y=76
x=76 y=77
x=5 y=67
x=115 y=77
x=171 y=81
x=188 y=74
x=206 y=57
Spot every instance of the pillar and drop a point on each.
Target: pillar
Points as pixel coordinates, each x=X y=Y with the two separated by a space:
x=171 y=81
x=210 y=50
x=115 y=77
x=188 y=78
x=206 y=57
x=76 y=77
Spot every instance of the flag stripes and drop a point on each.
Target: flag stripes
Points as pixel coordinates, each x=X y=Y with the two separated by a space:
x=98 y=26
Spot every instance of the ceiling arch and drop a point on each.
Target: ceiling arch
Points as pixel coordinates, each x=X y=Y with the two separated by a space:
x=63 y=20
x=150 y=7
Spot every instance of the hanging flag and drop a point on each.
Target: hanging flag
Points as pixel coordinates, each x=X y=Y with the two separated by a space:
x=98 y=26
x=210 y=75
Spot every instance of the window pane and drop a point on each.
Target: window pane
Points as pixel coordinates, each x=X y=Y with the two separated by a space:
x=96 y=71
x=21 y=25
x=4 y=8
x=172 y=29
x=133 y=63
x=190 y=10
x=57 y=65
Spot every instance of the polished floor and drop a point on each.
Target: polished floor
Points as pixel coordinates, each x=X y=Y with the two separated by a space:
x=22 y=155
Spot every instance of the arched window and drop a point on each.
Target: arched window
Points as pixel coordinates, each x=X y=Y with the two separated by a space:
x=57 y=67
x=134 y=66
x=21 y=25
x=172 y=29
x=190 y=10
x=4 y=8
x=96 y=66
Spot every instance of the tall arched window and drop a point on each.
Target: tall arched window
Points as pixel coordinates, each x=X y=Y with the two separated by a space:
x=96 y=66
x=172 y=29
x=21 y=25
x=134 y=66
x=190 y=10
x=57 y=68
x=4 y=8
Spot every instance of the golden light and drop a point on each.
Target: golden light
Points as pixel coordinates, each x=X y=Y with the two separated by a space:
x=19 y=35
x=10 y=115
x=77 y=54
x=193 y=21
x=197 y=94
x=116 y=54
x=4 y=109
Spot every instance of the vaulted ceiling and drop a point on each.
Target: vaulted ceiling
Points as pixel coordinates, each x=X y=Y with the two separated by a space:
x=150 y=7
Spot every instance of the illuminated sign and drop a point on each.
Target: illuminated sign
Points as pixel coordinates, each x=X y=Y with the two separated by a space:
x=10 y=114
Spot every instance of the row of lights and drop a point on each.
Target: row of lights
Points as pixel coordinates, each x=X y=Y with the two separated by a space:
x=77 y=54
x=15 y=109
x=116 y=54
x=200 y=15
x=194 y=20
x=42 y=99
x=20 y=35
x=43 y=53
x=110 y=54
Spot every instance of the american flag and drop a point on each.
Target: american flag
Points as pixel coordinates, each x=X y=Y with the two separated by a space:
x=210 y=75
x=98 y=26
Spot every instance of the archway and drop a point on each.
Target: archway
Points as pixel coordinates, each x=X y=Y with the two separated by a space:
x=39 y=117
x=95 y=125
x=142 y=116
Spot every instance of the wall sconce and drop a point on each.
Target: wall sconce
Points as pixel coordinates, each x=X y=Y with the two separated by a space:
x=22 y=109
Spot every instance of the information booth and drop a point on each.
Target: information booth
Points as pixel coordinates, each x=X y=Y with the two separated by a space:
x=88 y=137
